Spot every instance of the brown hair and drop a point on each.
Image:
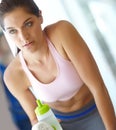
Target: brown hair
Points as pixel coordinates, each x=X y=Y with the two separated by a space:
x=7 y=6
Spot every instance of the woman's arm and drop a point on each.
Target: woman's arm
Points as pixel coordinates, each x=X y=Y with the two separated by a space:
x=81 y=57
x=17 y=84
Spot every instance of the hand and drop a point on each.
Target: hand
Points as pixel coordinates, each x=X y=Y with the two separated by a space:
x=59 y=120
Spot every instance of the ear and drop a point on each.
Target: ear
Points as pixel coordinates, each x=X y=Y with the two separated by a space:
x=40 y=16
x=40 y=12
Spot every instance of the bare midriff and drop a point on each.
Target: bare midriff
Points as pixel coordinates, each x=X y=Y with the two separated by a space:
x=77 y=102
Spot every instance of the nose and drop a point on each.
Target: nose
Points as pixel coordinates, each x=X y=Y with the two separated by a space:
x=23 y=36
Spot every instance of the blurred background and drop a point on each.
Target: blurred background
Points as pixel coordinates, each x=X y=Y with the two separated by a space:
x=96 y=22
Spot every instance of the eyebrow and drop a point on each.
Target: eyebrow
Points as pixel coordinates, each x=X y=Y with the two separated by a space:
x=23 y=23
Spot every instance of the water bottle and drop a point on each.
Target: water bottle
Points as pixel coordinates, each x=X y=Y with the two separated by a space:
x=42 y=126
x=45 y=114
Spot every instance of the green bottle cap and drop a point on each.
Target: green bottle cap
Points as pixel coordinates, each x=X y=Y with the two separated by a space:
x=41 y=108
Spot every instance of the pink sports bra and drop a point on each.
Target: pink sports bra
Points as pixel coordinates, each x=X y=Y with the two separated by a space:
x=66 y=84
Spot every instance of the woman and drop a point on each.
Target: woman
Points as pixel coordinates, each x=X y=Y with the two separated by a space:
x=55 y=66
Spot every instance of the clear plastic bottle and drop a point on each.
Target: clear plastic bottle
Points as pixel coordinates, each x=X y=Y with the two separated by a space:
x=42 y=126
x=45 y=114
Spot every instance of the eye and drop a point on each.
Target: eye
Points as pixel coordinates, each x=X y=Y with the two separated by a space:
x=12 y=31
x=28 y=24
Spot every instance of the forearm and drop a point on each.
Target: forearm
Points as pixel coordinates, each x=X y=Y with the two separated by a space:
x=105 y=109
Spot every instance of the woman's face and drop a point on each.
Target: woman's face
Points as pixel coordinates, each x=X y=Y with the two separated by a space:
x=23 y=29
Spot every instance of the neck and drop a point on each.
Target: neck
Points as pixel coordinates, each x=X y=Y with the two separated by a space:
x=39 y=56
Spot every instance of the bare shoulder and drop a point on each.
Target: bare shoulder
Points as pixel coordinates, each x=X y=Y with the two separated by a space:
x=59 y=27
x=65 y=36
x=10 y=70
x=14 y=75
x=63 y=32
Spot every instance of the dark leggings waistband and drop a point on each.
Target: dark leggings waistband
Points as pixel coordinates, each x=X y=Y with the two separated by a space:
x=86 y=110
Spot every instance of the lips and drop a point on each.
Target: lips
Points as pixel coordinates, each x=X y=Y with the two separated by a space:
x=27 y=44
